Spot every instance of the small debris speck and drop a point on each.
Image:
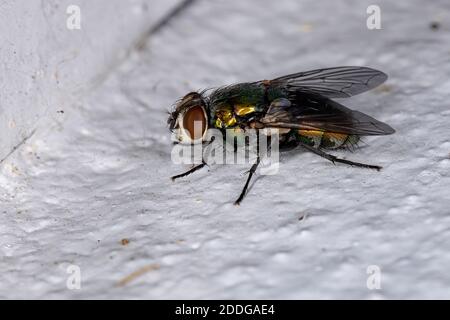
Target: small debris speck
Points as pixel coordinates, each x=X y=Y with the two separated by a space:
x=137 y=274
x=435 y=25
x=124 y=242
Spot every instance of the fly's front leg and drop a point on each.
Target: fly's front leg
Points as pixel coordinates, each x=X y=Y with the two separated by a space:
x=336 y=159
x=184 y=174
x=197 y=167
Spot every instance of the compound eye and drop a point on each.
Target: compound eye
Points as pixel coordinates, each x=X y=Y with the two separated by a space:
x=194 y=122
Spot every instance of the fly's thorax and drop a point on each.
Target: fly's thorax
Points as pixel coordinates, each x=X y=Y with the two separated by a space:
x=225 y=117
x=231 y=105
x=228 y=116
x=244 y=109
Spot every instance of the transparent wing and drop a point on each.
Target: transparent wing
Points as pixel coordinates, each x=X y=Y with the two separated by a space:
x=325 y=115
x=339 y=82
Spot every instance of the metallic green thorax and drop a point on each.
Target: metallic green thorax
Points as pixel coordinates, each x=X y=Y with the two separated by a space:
x=223 y=101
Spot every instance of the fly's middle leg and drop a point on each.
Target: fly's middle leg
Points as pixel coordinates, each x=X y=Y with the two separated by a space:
x=336 y=159
x=250 y=172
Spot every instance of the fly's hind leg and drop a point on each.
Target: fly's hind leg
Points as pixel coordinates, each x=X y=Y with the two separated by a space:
x=336 y=159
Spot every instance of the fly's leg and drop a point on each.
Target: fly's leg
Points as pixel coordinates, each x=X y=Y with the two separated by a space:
x=197 y=167
x=336 y=159
x=250 y=172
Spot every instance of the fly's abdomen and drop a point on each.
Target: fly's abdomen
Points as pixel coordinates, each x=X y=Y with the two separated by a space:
x=327 y=140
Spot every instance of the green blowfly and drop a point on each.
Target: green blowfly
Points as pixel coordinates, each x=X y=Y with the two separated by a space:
x=299 y=105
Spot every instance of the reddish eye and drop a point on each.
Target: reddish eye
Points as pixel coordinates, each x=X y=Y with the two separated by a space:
x=191 y=117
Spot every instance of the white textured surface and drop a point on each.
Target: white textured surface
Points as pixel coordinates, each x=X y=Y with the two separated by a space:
x=45 y=66
x=70 y=197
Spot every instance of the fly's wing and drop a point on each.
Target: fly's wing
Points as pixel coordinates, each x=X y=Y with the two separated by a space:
x=321 y=114
x=339 y=82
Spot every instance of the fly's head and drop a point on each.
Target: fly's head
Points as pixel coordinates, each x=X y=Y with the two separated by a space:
x=189 y=120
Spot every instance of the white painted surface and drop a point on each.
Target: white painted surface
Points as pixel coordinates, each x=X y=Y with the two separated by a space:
x=68 y=198
x=45 y=66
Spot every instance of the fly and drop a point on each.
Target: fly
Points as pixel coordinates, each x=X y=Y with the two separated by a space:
x=300 y=105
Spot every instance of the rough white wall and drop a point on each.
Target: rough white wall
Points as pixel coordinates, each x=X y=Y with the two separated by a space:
x=45 y=66
x=311 y=231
